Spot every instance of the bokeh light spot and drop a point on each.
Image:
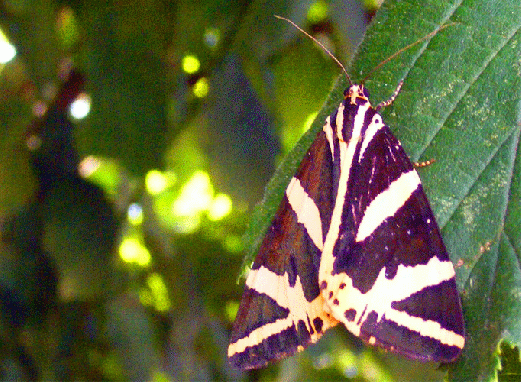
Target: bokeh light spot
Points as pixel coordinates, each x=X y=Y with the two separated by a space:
x=318 y=12
x=132 y=251
x=80 y=108
x=135 y=214
x=201 y=87
x=155 y=182
x=191 y=64
x=221 y=206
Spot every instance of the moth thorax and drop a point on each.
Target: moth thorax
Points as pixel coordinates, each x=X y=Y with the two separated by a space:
x=356 y=91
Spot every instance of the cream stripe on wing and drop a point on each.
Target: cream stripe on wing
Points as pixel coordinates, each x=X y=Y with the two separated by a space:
x=387 y=203
x=277 y=287
x=258 y=335
x=328 y=130
x=306 y=210
x=340 y=121
x=372 y=129
x=273 y=328
x=347 y=153
x=426 y=328
x=407 y=281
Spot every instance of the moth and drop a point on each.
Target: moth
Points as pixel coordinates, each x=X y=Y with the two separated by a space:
x=354 y=241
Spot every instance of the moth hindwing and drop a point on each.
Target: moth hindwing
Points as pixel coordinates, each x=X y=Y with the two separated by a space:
x=353 y=241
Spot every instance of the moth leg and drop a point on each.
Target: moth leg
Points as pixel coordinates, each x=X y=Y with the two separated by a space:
x=424 y=164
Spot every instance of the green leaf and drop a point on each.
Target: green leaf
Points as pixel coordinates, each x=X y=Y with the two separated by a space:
x=459 y=105
x=510 y=364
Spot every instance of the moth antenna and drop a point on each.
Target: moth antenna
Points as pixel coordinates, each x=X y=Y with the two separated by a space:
x=319 y=44
x=405 y=48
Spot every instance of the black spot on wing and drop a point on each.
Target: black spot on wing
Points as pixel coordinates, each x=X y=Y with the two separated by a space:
x=323 y=285
x=318 y=324
x=350 y=315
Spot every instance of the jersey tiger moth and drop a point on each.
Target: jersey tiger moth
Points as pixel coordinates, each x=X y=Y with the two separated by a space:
x=353 y=241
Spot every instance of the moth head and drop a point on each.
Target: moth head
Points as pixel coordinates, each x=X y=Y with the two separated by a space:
x=356 y=91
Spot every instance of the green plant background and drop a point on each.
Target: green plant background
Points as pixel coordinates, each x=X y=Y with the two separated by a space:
x=460 y=105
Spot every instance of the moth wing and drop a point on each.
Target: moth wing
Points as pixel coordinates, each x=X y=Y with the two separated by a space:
x=282 y=309
x=390 y=279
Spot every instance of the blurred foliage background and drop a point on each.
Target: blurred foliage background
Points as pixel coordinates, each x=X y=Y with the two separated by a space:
x=136 y=138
